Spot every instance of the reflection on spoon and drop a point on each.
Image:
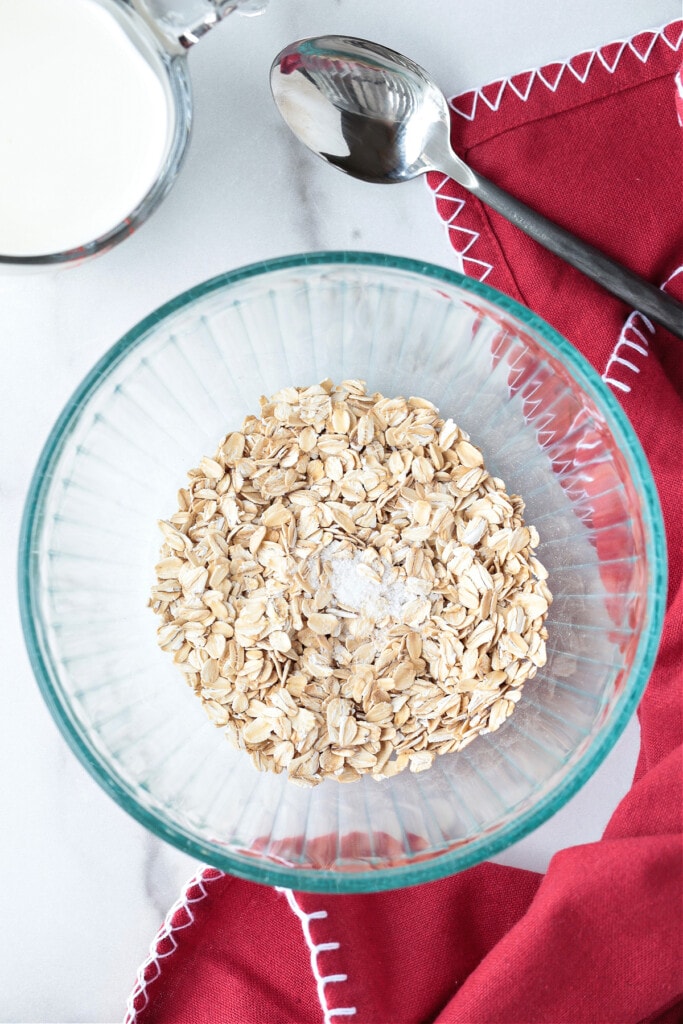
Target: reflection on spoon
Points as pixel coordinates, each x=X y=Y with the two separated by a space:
x=379 y=117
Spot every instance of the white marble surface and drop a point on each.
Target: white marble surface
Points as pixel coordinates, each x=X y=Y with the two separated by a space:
x=83 y=886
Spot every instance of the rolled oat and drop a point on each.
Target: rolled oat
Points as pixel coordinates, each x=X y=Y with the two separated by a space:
x=347 y=589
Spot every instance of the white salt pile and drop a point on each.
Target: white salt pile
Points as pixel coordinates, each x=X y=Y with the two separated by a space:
x=355 y=587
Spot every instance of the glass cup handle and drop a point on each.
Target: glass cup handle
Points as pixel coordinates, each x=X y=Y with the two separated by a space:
x=180 y=23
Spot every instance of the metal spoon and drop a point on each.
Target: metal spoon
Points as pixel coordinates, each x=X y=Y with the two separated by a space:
x=378 y=116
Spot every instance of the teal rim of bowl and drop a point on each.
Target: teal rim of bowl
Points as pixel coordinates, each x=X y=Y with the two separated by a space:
x=440 y=865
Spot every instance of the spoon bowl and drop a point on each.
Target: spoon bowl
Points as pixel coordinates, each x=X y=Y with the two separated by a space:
x=371 y=112
x=378 y=116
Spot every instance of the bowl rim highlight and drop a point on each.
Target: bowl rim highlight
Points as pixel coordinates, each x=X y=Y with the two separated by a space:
x=438 y=865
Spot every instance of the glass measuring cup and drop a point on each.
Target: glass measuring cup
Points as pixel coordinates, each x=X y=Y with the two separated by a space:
x=154 y=35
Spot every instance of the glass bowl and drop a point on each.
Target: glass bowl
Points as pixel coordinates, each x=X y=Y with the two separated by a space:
x=166 y=393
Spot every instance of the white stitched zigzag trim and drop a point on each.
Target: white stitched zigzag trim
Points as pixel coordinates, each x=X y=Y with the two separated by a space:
x=184 y=902
x=166 y=931
x=609 y=55
x=634 y=338
x=635 y=327
x=320 y=980
x=672 y=275
x=636 y=324
x=473 y=268
x=480 y=269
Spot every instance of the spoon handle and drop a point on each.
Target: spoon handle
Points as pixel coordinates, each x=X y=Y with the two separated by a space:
x=638 y=293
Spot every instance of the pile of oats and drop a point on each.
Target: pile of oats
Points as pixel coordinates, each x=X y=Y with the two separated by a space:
x=347 y=589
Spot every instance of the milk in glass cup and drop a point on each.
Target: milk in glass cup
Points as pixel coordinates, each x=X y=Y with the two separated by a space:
x=96 y=114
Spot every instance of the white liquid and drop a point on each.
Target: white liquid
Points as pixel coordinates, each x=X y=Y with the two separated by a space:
x=84 y=125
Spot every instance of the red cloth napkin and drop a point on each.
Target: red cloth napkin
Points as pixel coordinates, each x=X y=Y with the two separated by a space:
x=595 y=144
